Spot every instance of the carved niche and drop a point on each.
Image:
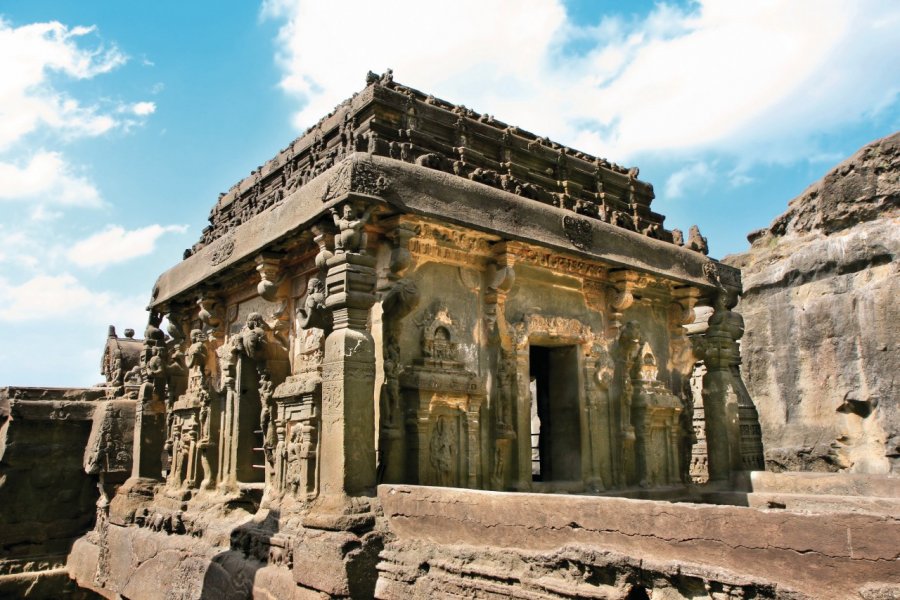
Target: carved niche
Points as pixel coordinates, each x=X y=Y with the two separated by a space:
x=190 y=442
x=655 y=414
x=298 y=404
x=120 y=362
x=252 y=363
x=443 y=405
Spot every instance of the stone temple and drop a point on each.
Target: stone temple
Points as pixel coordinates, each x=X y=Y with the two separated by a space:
x=421 y=353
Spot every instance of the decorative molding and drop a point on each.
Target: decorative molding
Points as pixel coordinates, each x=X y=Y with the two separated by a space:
x=224 y=248
x=541 y=326
x=580 y=232
x=559 y=263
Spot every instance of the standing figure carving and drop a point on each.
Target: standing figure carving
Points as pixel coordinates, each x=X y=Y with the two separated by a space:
x=442 y=452
x=313 y=313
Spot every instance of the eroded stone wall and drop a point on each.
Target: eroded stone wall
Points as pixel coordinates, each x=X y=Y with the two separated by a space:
x=46 y=498
x=820 y=304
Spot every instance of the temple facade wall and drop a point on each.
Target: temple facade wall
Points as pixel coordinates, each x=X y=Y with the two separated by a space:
x=477 y=343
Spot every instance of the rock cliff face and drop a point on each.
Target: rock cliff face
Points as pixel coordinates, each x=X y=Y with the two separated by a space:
x=822 y=315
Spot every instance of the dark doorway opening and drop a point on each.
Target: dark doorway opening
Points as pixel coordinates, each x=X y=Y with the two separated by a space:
x=250 y=458
x=555 y=416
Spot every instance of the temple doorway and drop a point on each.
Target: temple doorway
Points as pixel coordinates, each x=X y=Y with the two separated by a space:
x=250 y=458
x=555 y=414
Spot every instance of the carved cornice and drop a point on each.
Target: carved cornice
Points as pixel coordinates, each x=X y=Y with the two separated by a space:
x=450 y=245
x=354 y=176
x=555 y=261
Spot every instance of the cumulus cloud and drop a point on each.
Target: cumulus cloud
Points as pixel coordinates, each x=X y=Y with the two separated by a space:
x=46 y=179
x=757 y=80
x=142 y=109
x=463 y=52
x=28 y=98
x=53 y=296
x=116 y=244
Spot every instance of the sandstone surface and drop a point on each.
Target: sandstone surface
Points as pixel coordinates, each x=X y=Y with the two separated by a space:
x=822 y=320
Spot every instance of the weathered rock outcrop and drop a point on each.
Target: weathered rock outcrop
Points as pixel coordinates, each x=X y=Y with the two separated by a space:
x=823 y=320
x=46 y=498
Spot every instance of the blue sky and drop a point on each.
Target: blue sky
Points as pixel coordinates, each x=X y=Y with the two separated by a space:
x=121 y=122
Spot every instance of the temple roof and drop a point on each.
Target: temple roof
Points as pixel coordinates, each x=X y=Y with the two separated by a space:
x=417 y=155
x=392 y=120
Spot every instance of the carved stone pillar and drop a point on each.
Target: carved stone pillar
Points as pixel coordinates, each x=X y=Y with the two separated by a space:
x=598 y=371
x=681 y=368
x=720 y=398
x=500 y=277
x=598 y=374
x=346 y=455
x=621 y=298
x=150 y=413
x=348 y=379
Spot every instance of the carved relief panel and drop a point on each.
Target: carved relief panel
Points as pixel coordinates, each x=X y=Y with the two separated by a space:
x=443 y=406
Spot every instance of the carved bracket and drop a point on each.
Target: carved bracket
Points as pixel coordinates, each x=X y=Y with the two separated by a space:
x=268 y=266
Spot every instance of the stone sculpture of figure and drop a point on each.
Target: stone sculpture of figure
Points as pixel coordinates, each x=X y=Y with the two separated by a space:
x=267 y=423
x=677 y=237
x=313 y=313
x=351 y=237
x=647 y=367
x=726 y=327
x=505 y=383
x=197 y=353
x=156 y=368
x=392 y=383
x=293 y=457
x=441 y=452
x=118 y=373
x=653 y=230
x=696 y=241
x=251 y=341
x=630 y=339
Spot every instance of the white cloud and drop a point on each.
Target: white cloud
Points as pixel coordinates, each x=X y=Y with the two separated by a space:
x=49 y=297
x=755 y=80
x=142 y=109
x=739 y=178
x=28 y=99
x=694 y=176
x=476 y=46
x=115 y=245
x=46 y=179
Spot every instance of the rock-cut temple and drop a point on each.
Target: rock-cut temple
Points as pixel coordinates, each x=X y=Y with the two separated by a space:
x=424 y=353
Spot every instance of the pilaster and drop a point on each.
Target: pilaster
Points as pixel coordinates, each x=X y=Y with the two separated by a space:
x=348 y=378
